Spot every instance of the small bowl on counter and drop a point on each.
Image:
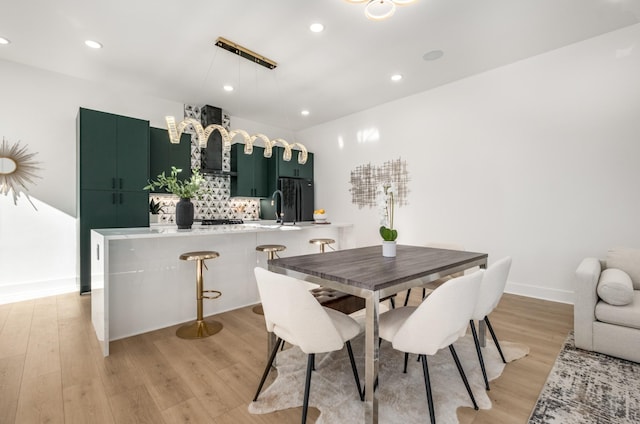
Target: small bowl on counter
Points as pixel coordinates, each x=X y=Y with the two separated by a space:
x=320 y=218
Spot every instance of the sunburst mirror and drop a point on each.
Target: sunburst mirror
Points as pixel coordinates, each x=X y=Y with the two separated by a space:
x=17 y=169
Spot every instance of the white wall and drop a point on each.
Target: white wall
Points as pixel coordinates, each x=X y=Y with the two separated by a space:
x=39 y=108
x=253 y=127
x=538 y=160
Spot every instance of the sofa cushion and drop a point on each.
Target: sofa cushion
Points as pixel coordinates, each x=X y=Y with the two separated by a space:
x=614 y=287
x=628 y=260
x=627 y=315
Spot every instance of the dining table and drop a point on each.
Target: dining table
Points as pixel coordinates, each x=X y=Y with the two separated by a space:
x=366 y=273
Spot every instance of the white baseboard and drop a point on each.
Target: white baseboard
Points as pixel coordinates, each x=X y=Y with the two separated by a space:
x=34 y=290
x=545 y=293
x=11 y=293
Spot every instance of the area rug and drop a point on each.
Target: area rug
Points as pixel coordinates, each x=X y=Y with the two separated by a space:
x=587 y=387
x=402 y=397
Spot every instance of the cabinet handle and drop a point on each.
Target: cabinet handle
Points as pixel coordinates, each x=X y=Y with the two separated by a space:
x=113 y=183
x=120 y=183
x=121 y=196
x=97 y=252
x=113 y=198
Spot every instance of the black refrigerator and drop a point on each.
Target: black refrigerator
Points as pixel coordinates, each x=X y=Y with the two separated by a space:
x=297 y=194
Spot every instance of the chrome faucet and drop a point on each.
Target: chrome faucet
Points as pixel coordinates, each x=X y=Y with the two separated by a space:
x=280 y=218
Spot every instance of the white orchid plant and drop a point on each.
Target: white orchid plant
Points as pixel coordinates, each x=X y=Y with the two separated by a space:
x=385 y=200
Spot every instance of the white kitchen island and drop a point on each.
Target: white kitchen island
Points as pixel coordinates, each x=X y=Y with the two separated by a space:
x=138 y=284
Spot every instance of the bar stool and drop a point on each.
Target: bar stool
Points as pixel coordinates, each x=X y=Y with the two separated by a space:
x=201 y=328
x=271 y=250
x=322 y=242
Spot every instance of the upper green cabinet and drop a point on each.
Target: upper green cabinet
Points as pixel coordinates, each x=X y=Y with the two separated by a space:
x=292 y=168
x=113 y=151
x=113 y=168
x=97 y=132
x=164 y=155
x=251 y=179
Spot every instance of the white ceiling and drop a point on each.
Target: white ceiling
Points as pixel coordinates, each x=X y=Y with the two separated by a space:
x=165 y=48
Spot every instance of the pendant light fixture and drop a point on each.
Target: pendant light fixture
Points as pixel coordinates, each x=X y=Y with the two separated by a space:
x=203 y=134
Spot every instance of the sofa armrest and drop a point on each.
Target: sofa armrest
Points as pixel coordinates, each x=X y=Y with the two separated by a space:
x=586 y=297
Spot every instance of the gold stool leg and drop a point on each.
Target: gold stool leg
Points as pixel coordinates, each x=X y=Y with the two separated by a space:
x=201 y=328
x=258 y=308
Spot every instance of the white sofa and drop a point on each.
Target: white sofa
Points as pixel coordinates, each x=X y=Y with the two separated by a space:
x=607 y=304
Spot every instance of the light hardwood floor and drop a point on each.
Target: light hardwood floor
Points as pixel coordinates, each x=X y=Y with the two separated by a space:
x=52 y=371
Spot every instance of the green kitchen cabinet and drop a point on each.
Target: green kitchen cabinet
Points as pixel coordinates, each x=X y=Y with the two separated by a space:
x=115 y=209
x=163 y=155
x=292 y=168
x=113 y=168
x=280 y=168
x=251 y=177
x=110 y=158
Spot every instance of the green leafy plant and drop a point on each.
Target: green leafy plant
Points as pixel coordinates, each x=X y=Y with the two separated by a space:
x=386 y=203
x=186 y=189
x=388 y=234
x=155 y=208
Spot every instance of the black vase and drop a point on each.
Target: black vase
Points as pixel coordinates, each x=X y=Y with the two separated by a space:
x=184 y=214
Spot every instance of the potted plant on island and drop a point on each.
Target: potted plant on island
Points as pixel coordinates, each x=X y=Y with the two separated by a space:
x=389 y=235
x=154 y=210
x=185 y=190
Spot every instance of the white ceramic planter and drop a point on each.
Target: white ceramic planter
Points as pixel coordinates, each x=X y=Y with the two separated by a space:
x=389 y=249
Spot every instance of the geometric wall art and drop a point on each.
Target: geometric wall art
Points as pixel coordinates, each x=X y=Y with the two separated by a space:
x=366 y=178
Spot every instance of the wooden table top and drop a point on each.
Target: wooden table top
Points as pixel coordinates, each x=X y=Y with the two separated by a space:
x=366 y=268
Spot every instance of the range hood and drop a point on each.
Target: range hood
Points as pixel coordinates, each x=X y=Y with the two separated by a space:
x=211 y=156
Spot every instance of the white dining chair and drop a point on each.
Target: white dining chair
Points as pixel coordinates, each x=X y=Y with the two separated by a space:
x=437 y=283
x=439 y=321
x=491 y=289
x=293 y=315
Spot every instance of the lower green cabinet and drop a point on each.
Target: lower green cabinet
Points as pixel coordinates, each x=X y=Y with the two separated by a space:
x=108 y=209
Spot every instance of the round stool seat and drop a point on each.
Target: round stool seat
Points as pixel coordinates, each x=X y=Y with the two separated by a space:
x=200 y=328
x=271 y=250
x=202 y=255
x=322 y=242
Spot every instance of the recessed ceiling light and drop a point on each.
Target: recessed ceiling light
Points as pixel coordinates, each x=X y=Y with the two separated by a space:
x=396 y=77
x=316 y=27
x=305 y=113
x=228 y=87
x=433 y=55
x=93 y=44
x=4 y=40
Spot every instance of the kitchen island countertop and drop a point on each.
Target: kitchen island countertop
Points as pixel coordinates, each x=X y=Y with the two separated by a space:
x=171 y=230
x=139 y=284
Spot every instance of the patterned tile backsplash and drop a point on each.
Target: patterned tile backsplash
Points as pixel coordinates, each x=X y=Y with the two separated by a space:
x=217 y=204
